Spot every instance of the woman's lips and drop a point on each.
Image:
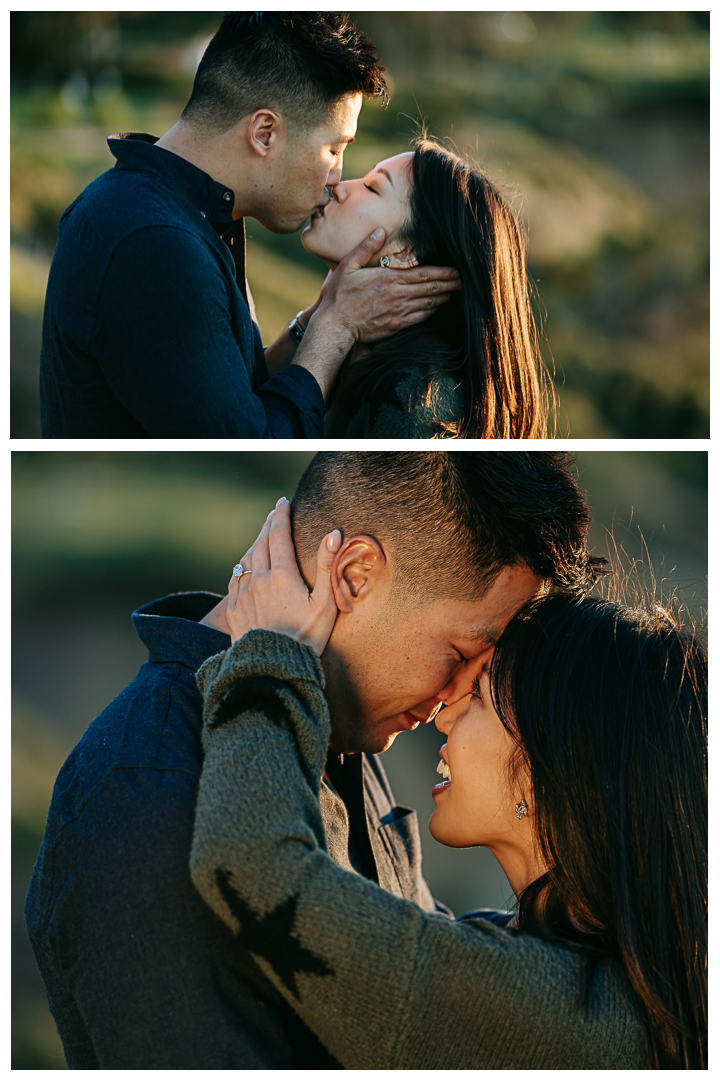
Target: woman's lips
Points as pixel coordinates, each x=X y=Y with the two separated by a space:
x=320 y=211
x=440 y=787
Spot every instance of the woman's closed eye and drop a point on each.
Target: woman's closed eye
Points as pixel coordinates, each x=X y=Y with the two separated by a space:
x=372 y=189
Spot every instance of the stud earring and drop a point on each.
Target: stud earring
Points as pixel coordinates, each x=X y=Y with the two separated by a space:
x=521 y=809
x=385 y=260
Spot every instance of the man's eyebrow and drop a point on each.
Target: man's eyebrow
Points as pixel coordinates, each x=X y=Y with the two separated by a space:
x=489 y=634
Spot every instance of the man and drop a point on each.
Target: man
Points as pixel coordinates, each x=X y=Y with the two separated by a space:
x=439 y=549
x=149 y=329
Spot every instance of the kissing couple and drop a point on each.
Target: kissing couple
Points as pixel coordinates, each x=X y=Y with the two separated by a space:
x=226 y=881
x=423 y=327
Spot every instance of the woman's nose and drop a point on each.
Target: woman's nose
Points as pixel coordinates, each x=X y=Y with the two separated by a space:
x=446 y=717
x=341 y=191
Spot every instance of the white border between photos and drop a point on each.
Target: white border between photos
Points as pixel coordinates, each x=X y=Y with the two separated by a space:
x=361 y=444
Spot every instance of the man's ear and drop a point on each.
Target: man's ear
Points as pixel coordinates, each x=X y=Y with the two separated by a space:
x=358 y=570
x=263 y=129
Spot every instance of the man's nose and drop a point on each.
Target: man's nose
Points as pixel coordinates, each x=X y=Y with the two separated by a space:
x=462 y=681
x=335 y=174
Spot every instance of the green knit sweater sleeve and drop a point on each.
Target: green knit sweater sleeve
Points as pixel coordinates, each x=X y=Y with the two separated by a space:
x=383 y=983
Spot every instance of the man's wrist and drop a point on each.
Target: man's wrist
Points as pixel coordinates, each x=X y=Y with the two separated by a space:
x=296 y=329
x=323 y=349
x=324 y=326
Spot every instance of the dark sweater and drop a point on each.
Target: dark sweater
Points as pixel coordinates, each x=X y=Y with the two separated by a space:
x=147 y=333
x=139 y=972
x=383 y=983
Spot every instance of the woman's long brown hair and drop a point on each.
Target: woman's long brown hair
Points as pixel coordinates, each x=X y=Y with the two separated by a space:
x=608 y=708
x=485 y=339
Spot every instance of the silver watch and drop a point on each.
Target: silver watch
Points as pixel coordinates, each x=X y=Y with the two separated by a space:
x=295 y=329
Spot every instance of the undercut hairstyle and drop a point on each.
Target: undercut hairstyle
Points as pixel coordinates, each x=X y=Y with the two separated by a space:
x=297 y=63
x=608 y=709
x=452 y=520
x=485 y=339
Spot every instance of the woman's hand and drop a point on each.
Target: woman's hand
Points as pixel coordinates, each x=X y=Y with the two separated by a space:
x=274 y=596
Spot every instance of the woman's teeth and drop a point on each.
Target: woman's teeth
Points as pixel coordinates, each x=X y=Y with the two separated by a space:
x=444 y=770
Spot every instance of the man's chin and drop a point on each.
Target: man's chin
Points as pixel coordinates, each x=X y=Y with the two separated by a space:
x=284 y=227
x=375 y=741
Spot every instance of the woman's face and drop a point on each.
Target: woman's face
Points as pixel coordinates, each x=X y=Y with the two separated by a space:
x=475 y=805
x=382 y=198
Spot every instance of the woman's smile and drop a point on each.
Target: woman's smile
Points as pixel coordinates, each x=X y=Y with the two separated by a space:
x=444 y=770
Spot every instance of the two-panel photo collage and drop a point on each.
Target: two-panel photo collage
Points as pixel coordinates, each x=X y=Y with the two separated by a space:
x=360 y=424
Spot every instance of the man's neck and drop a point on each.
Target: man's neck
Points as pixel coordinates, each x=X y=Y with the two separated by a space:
x=214 y=157
x=216 y=617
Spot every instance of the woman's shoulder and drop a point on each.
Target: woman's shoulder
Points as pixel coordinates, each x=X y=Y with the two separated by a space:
x=417 y=406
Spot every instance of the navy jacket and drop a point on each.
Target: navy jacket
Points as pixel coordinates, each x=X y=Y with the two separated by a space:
x=140 y=973
x=147 y=333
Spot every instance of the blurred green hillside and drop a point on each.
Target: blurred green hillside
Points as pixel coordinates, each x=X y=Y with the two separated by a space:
x=596 y=124
x=97 y=534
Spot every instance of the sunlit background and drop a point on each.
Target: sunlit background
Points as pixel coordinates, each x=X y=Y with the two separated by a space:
x=95 y=535
x=595 y=123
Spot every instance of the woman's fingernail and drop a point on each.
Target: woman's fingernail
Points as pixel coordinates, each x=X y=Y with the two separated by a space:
x=378 y=234
x=282 y=499
x=333 y=540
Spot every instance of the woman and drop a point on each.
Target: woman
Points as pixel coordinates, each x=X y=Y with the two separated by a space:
x=579 y=760
x=473 y=370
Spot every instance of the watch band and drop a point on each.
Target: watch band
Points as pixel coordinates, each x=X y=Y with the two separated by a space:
x=295 y=329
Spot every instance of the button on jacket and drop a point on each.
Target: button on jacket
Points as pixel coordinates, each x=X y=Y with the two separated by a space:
x=147 y=333
x=140 y=974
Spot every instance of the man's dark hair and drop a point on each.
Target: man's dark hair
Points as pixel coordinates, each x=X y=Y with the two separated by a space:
x=299 y=63
x=453 y=519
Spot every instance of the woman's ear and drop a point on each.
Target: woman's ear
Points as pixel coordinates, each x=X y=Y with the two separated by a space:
x=401 y=260
x=525 y=807
x=357 y=572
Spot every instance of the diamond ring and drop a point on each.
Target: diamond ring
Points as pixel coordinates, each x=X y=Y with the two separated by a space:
x=239 y=570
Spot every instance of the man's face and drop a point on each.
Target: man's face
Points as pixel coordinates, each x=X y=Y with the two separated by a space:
x=390 y=670
x=309 y=163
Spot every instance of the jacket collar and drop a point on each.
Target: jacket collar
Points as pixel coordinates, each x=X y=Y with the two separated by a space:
x=172 y=633
x=136 y=151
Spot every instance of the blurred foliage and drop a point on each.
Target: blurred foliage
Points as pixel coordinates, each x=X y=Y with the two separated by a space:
x=97 y=534
x=596 y=124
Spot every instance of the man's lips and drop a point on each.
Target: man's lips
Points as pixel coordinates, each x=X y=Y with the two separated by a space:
x=412 y=720
x=318 y=212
